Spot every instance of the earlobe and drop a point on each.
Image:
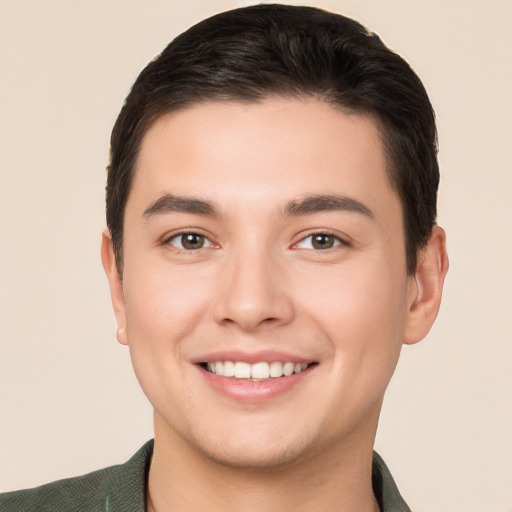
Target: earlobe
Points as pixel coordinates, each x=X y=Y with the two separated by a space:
x=121 y=336
x=116 y=285
x=427 y=290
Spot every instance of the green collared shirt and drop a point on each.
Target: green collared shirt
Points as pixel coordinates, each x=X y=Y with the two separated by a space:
x=123 y=489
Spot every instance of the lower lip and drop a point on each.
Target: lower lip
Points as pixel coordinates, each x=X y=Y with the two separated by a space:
x=254 y=391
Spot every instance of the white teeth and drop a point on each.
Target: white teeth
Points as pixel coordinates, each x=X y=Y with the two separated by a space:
x=260 y=371
x=276 y=369
x=288 y=369
x=257 y=371
x=242 y=370
x=229 y=369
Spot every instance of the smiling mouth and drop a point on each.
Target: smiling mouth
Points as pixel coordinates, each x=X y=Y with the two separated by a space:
x=255 y=372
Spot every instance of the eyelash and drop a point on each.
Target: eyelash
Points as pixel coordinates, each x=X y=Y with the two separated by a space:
x=183 y=234
x=337 y=241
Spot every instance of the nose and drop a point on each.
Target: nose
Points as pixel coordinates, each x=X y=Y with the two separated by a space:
x=253 y=292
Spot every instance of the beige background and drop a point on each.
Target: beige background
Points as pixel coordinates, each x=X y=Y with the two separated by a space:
x=68 y=400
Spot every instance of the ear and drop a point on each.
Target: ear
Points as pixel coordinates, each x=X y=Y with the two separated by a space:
x=426 y=287
x=115 y=282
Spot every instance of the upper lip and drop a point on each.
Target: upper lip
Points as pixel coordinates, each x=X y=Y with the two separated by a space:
x=268 y=356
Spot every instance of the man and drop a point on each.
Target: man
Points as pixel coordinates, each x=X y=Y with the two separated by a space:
x=271 y=244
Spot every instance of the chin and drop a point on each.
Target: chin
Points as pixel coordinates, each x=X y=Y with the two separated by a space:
x=244 y=446
x=253 y=456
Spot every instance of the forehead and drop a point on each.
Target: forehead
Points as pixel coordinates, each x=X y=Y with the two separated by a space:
x=262 y=151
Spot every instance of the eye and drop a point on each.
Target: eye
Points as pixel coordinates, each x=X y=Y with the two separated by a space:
x=189 y=241
x=319 y=241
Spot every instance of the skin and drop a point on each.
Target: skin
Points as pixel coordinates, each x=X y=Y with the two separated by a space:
x=258 y=284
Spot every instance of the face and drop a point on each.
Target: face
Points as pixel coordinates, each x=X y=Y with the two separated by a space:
x=264 y=288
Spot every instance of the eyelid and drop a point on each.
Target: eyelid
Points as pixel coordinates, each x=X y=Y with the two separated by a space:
x=340 y=240
x=166 y=239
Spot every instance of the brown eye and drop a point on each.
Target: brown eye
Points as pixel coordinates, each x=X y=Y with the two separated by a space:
x=189 y=241
x=322 y=241
x=319 y=242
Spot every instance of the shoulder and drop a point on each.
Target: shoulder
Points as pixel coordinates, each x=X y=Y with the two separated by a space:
x=385 y=489
x=114 y=488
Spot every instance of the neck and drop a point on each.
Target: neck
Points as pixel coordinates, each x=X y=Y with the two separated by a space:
x=337 y=479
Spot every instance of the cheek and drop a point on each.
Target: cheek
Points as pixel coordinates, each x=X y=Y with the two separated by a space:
x=363 y=314
x=162 y=310
x=356 y=297
x=162 y=302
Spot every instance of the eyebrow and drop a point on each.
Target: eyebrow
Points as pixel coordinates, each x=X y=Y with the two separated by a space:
x=169 y=203
x=327 y=203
